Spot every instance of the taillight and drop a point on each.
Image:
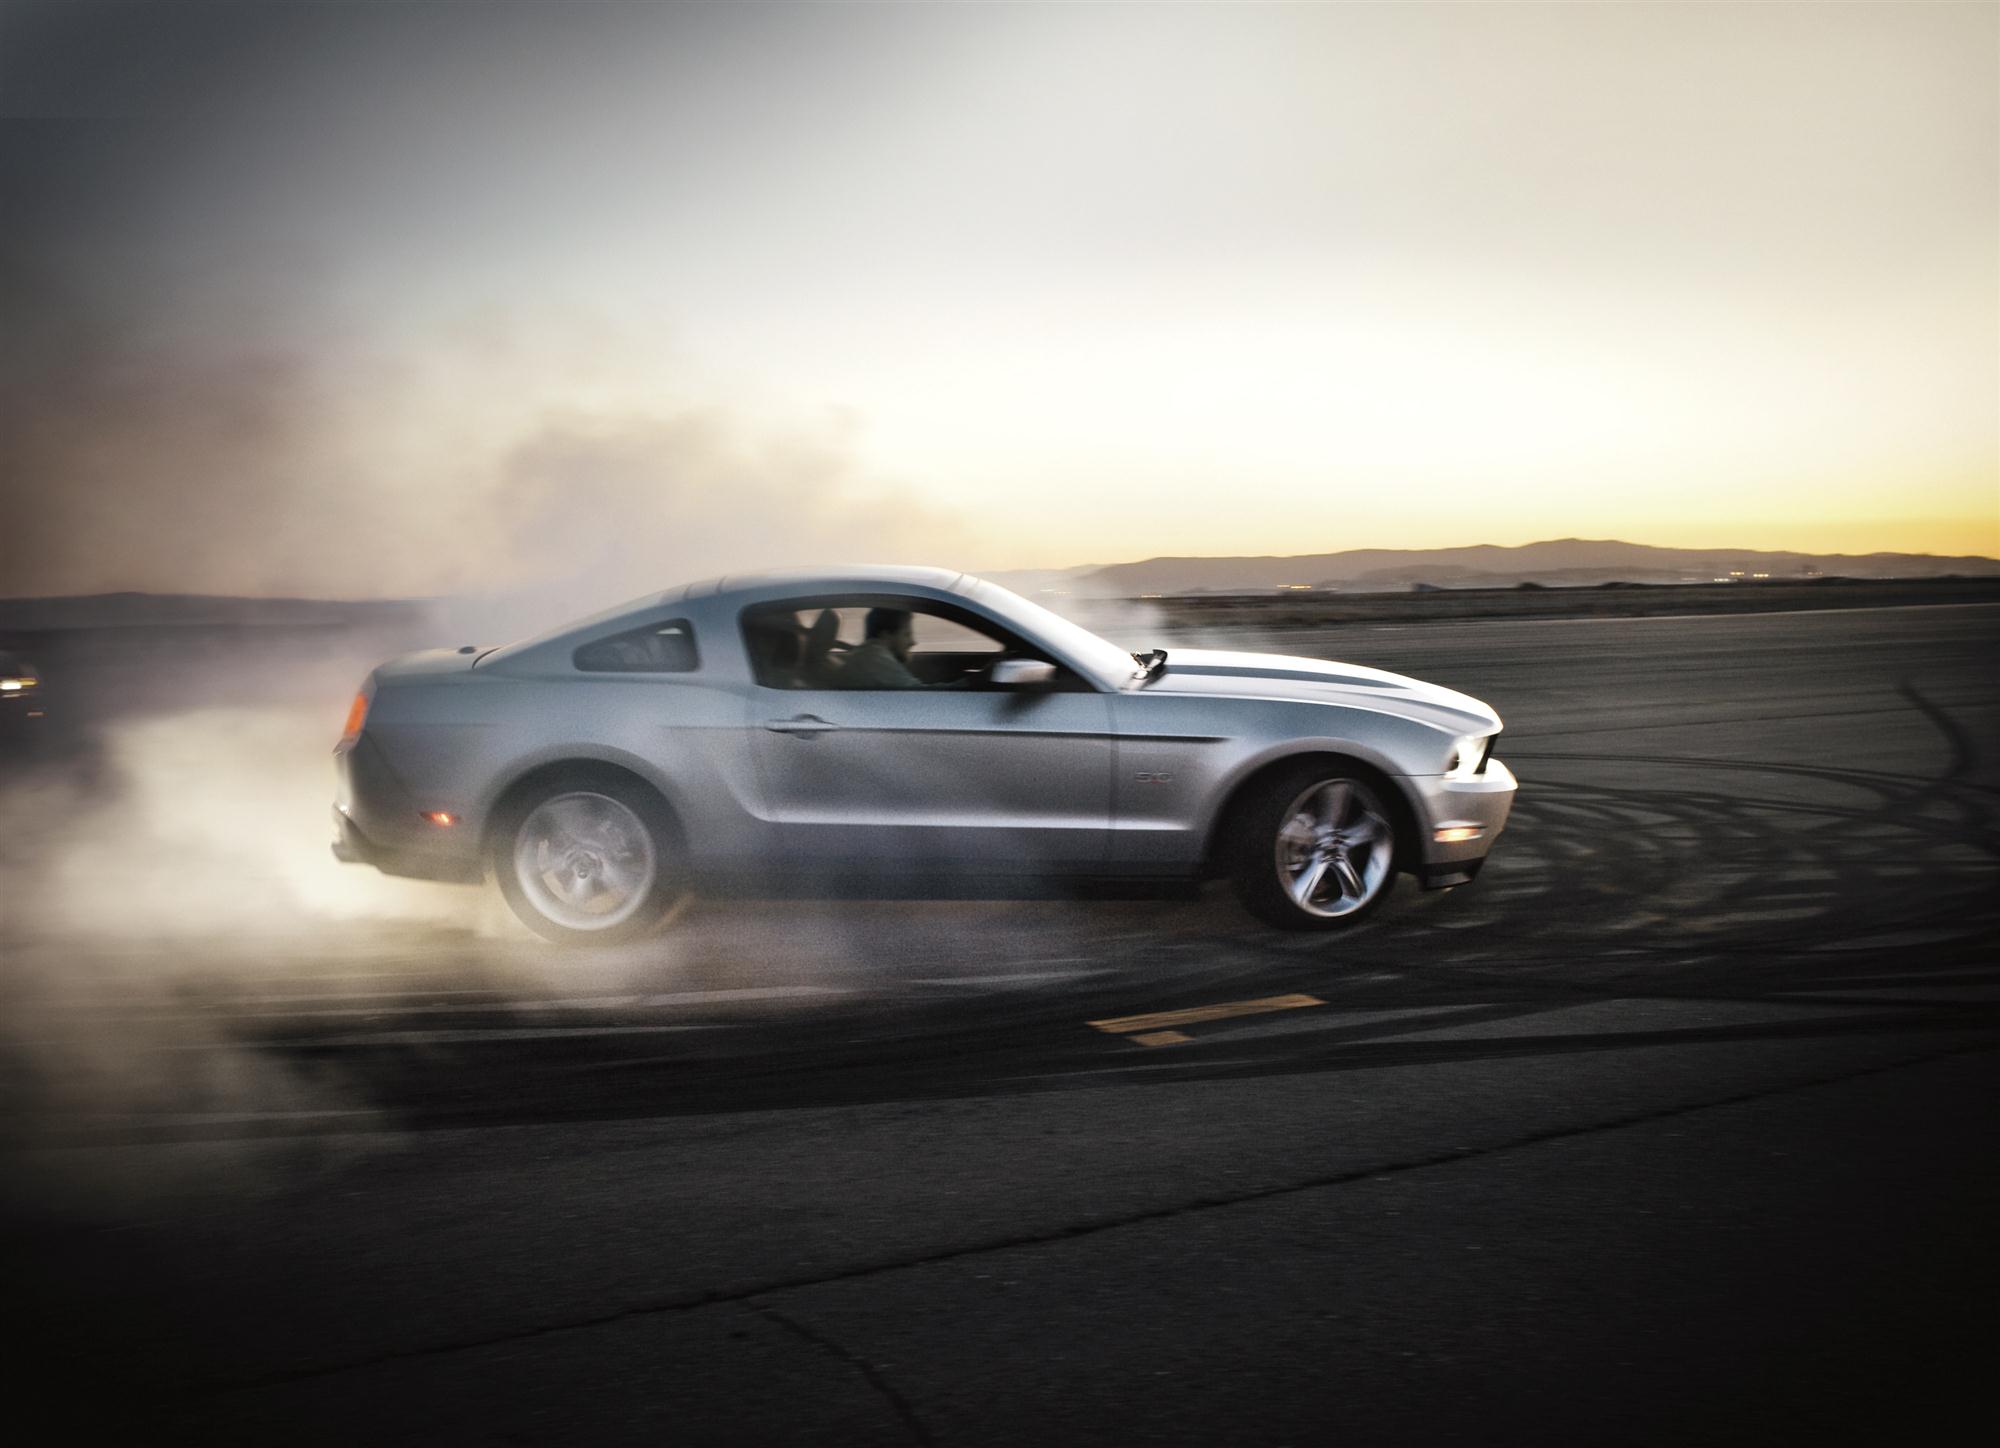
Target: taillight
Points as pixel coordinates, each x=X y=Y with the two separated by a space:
x=357 y=715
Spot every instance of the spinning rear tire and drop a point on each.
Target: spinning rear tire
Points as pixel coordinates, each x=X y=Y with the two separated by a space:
x=589 y=858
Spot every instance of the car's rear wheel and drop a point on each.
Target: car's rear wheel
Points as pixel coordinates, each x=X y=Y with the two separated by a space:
x=1315 y=848
x=588 y=859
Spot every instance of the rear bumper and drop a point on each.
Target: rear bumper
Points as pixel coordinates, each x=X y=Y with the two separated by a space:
x=376 y=822
x=352 y=847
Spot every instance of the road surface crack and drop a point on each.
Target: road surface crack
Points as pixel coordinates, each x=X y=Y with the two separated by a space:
x=1089 y=1228
x=871 y=1373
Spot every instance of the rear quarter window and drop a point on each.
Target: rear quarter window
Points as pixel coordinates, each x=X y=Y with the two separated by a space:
x=658 y=648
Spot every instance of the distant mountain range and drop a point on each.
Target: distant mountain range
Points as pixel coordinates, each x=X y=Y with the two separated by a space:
x=1563 y=561
x=1573 y=561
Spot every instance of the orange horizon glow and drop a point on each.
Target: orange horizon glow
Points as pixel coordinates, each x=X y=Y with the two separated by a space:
x=1963 y=538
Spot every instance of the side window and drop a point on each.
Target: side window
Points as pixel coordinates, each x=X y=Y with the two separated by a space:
x=822 y=644
x=658 y=648
x=939 y=635
x=776 y=641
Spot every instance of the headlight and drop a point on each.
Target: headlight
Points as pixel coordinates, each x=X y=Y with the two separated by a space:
x=1468 y=755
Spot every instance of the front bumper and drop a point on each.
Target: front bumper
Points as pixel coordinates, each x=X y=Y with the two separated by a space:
x=1464 y=815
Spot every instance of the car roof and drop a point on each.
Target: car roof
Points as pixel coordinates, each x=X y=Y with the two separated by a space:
x=856 y=578
x=839 y=578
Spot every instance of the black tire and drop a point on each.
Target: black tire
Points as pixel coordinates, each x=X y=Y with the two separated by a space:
x=1314 y=848
x=619 y=875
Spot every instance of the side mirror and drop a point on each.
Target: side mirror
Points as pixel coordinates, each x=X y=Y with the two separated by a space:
x=1021 y=673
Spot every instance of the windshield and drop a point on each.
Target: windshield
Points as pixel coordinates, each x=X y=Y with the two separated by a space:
x=1111 y=664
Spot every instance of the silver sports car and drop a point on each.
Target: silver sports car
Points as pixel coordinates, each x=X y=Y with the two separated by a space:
x=898 y=731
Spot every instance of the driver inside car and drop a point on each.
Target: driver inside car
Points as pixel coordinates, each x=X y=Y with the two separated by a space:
x=882 y=659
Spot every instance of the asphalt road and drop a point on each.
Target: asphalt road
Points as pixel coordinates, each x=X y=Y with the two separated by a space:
x=1675 y=1127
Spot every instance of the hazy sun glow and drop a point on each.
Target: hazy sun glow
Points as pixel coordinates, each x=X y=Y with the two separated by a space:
x=406 y=298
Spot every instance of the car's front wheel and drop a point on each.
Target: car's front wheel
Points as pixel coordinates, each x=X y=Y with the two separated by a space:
x=588 y=859
x=1315 y=848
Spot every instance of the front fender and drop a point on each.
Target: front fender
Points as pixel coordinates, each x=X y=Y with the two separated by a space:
x=1183 y=758
x=1230 y=789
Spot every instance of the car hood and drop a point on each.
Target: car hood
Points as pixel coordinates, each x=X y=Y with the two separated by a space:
x=1319 y=681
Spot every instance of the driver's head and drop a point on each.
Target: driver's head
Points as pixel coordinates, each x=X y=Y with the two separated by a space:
x=894 y=626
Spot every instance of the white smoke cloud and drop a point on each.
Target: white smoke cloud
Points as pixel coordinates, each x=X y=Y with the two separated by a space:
x=518 y=453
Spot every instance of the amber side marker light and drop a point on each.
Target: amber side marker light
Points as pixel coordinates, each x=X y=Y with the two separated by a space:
x=1457 y=834
x=357 y=715
x=440 y=817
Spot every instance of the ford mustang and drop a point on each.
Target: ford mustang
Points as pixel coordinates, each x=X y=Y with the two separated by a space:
x=898 y=731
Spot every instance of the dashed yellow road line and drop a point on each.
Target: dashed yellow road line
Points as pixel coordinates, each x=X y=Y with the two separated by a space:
x=1160 y=1038
x=1164 y=1021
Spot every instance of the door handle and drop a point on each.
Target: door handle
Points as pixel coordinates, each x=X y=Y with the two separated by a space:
x=805 y=726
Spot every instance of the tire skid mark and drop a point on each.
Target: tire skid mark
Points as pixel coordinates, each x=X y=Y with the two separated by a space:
x=1883 y=866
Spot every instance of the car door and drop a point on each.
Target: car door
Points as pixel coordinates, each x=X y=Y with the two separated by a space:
x=971 y=780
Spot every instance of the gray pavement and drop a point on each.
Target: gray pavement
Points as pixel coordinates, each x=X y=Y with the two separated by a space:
x=1674 y=1127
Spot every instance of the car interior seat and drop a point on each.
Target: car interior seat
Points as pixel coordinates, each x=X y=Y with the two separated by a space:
x=818 y=668
x=777 y=648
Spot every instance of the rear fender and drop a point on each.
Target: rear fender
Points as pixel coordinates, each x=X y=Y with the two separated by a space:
x=542 y=760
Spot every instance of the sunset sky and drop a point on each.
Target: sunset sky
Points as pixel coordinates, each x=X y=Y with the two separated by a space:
x=404 y=298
